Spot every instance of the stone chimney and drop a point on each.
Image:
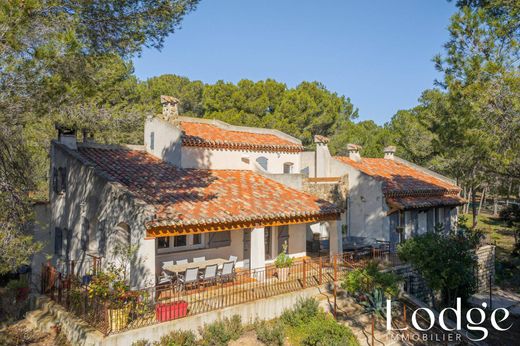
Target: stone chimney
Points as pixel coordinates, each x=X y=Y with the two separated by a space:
x=170 y=110
x=67 y=137
x=389 y=152
x=353 y=152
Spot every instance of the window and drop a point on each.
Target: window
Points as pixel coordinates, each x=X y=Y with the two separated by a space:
x=152 y=140
x=262 y=161
x=288 y=168
x=180 y=242
x=283 y=238
x=197 y=239
x=163 y=242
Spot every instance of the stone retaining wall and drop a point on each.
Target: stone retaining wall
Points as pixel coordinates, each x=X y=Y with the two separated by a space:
x=485 y=271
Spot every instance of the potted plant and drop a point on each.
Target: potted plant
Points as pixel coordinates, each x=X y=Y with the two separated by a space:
x=282 y=263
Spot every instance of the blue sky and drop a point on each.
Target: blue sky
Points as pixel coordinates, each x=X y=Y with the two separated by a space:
x=377 y=52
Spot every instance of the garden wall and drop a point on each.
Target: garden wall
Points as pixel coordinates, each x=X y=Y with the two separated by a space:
x=486 y=267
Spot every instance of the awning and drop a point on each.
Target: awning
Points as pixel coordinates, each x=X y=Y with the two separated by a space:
x=168 y=230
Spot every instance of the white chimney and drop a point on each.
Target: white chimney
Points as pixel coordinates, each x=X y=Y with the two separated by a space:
x=170 y=108
x=67 y=137
x=389 y=152
x=322 y=157
x=353 y=152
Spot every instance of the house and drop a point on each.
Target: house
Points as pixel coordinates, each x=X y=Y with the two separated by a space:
x=197 y=188
x=389 y=199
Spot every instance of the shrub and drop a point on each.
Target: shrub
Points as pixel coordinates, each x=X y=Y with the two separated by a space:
x=445 y=261
x=272 y=334
x=177 y=338
x=221 y=332
x=303 y=312
x=325 y=331
x=364 y=280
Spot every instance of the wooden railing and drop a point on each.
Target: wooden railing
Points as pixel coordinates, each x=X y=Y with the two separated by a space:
x=163 y=303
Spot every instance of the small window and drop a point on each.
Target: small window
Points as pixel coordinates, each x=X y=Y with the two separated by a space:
x=180 y=241
x=268 y=236
x=163 y=242
x=262 y=161
x=152 y=140
x=288 y=168
x=197 y=239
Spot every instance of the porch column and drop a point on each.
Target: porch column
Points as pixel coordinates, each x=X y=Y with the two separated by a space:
x=257 y=248
x=335 y=237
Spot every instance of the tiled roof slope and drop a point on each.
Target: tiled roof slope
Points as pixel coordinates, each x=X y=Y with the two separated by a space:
x=400 y=179
x=189 y=197
x=406 y=187
x=208 y=135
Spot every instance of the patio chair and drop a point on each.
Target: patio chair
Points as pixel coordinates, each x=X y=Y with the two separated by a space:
x=210 y=274
x=167 y=263
x=165 y=278
x=190 y=277
x=199 y=259
x=228 y=272
x=182 y=261
x=233 y=259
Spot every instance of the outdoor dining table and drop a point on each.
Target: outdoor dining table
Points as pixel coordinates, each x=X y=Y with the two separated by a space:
x=180 y=268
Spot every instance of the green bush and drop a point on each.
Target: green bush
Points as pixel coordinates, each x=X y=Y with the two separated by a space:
x=175 y=338
x=303 y=312
x=325 y=331
x=364 y=280
x=272 y=334
x=221 y=332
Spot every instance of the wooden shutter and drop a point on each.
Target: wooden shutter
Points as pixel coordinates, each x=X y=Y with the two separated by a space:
x=283 y=236
x=447 y=219
x=219 y=239
x=63 y=178
x=55 y=187
x=58 y=241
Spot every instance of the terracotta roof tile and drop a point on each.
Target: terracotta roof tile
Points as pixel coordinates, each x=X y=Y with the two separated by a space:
x=416 y=202
x=196 y=197
x=208 y=135
x=401 y=179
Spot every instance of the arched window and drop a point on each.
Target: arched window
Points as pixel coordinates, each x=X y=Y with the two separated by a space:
x=288 y=167
x=262 y=161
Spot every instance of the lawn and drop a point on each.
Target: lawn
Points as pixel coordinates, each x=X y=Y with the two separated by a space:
x=498 y=233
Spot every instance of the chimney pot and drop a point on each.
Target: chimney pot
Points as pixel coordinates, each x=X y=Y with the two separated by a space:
x=389 y=152
x=170 y=108
x=353 y=152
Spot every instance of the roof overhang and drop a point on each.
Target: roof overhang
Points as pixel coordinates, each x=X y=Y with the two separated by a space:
x=182 y=229
x=422 y=202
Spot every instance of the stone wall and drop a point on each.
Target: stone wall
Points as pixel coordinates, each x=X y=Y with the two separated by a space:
x=332 y=192
x=485 y=272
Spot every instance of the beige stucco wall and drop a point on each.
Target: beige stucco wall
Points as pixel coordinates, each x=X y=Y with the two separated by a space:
x=195 y=157
x=167 y=140
x=105 y=205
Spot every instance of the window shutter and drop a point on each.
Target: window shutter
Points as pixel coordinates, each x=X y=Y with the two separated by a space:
x=63 y=177
x=283 y=236
x=447 y=219
x=55 y=187
x=394 y=236
x=58 y=241
x=415 y=222
x=219 y=239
